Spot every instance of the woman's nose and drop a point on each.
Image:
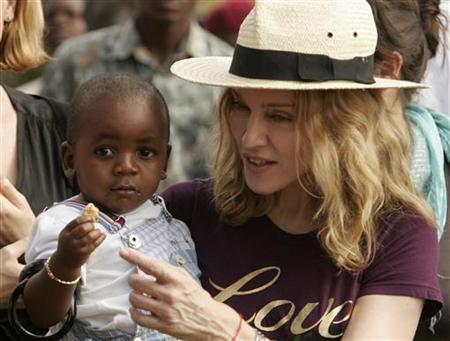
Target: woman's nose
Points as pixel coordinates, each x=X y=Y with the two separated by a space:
x=125 y=165
x=255 y=133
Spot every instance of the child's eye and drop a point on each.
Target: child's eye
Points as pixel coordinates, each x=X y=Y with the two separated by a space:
x=104 y=152
x=145 y=153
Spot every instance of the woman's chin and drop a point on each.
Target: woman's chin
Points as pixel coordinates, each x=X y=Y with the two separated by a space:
x=260 y=189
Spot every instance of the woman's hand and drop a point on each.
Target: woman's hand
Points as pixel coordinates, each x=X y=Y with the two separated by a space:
x=178 y=304
x=10 y=269
x=15 y=214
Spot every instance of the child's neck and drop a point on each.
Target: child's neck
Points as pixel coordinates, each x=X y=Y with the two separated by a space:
x=101 y=207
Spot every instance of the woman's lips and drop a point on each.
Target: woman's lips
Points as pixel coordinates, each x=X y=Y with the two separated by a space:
x=257 y=164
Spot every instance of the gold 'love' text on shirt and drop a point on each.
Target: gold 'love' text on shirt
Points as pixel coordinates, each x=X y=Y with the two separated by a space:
x=297 y=325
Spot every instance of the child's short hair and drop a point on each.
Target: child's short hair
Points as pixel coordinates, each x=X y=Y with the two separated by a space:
x=116 y=86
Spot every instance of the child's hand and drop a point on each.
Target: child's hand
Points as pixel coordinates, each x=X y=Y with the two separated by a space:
x=77 y=241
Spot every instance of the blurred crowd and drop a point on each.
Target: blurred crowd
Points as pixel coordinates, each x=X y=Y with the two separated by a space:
x=67 y=19
x=70 y=18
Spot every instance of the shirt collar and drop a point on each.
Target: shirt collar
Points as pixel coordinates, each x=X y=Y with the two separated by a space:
x=121 y=43
x=197 y=42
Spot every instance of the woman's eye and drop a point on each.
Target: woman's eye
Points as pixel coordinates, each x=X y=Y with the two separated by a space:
x=279 y=118
x=104 y=152
x=236 y=105
x=145 y=153
x=239 y=112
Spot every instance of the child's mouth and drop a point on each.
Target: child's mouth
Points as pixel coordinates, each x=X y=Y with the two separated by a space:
x=125 y=190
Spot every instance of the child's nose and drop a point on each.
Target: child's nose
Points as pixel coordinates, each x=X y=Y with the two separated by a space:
x=125 y=165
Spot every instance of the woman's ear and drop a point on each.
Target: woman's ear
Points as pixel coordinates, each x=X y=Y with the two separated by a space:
x=67 y=160
x=391 y=67
x=10 y=10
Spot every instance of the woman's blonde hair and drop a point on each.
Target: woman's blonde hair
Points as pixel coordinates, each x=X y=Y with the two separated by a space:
x=22 y=41
x=358 y=173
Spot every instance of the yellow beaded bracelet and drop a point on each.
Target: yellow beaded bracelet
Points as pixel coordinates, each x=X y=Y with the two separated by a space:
x=56 y=279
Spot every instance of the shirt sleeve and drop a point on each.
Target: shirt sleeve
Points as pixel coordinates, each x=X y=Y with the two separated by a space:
x=44 y=238
x=406 y=262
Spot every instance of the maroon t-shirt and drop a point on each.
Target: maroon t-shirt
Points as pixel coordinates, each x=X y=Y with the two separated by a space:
x=286 y=285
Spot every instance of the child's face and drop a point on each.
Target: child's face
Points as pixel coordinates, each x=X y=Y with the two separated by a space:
x=119 y=153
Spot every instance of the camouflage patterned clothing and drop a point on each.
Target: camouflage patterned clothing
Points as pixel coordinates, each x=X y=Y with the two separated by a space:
x=118 y=49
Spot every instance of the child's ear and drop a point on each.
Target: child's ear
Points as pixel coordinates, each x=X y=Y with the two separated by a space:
x=67 y=160
x=164 y=169
x=169 y=149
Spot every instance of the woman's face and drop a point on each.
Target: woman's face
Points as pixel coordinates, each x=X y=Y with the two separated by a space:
x=262 y=123
x=7 y=11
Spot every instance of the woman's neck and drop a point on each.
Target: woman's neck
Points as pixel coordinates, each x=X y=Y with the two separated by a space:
x=293 y=211
x=5 y=102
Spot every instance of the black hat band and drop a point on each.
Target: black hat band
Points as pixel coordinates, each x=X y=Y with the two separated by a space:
x=290 y=66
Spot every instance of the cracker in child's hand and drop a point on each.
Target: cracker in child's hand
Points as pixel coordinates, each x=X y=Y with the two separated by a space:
x=90 y=211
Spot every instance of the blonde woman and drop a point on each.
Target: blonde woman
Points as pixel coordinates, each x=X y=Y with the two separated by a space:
x=32 y=129
x=311 y=227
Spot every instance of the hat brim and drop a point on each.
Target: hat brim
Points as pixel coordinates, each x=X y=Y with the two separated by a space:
x=214 y=71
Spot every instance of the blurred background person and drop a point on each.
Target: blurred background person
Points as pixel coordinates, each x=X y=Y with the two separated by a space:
x=224 y=19
x=438 y=71
x=437 y=97
x=103 y=13
x=411 y=46
x=64 y=19
x=162 y=32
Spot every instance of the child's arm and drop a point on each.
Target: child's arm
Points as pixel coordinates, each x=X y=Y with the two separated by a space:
x=47 y=300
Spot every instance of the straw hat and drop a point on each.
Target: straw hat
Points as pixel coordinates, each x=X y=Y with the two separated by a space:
x=298 y=45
